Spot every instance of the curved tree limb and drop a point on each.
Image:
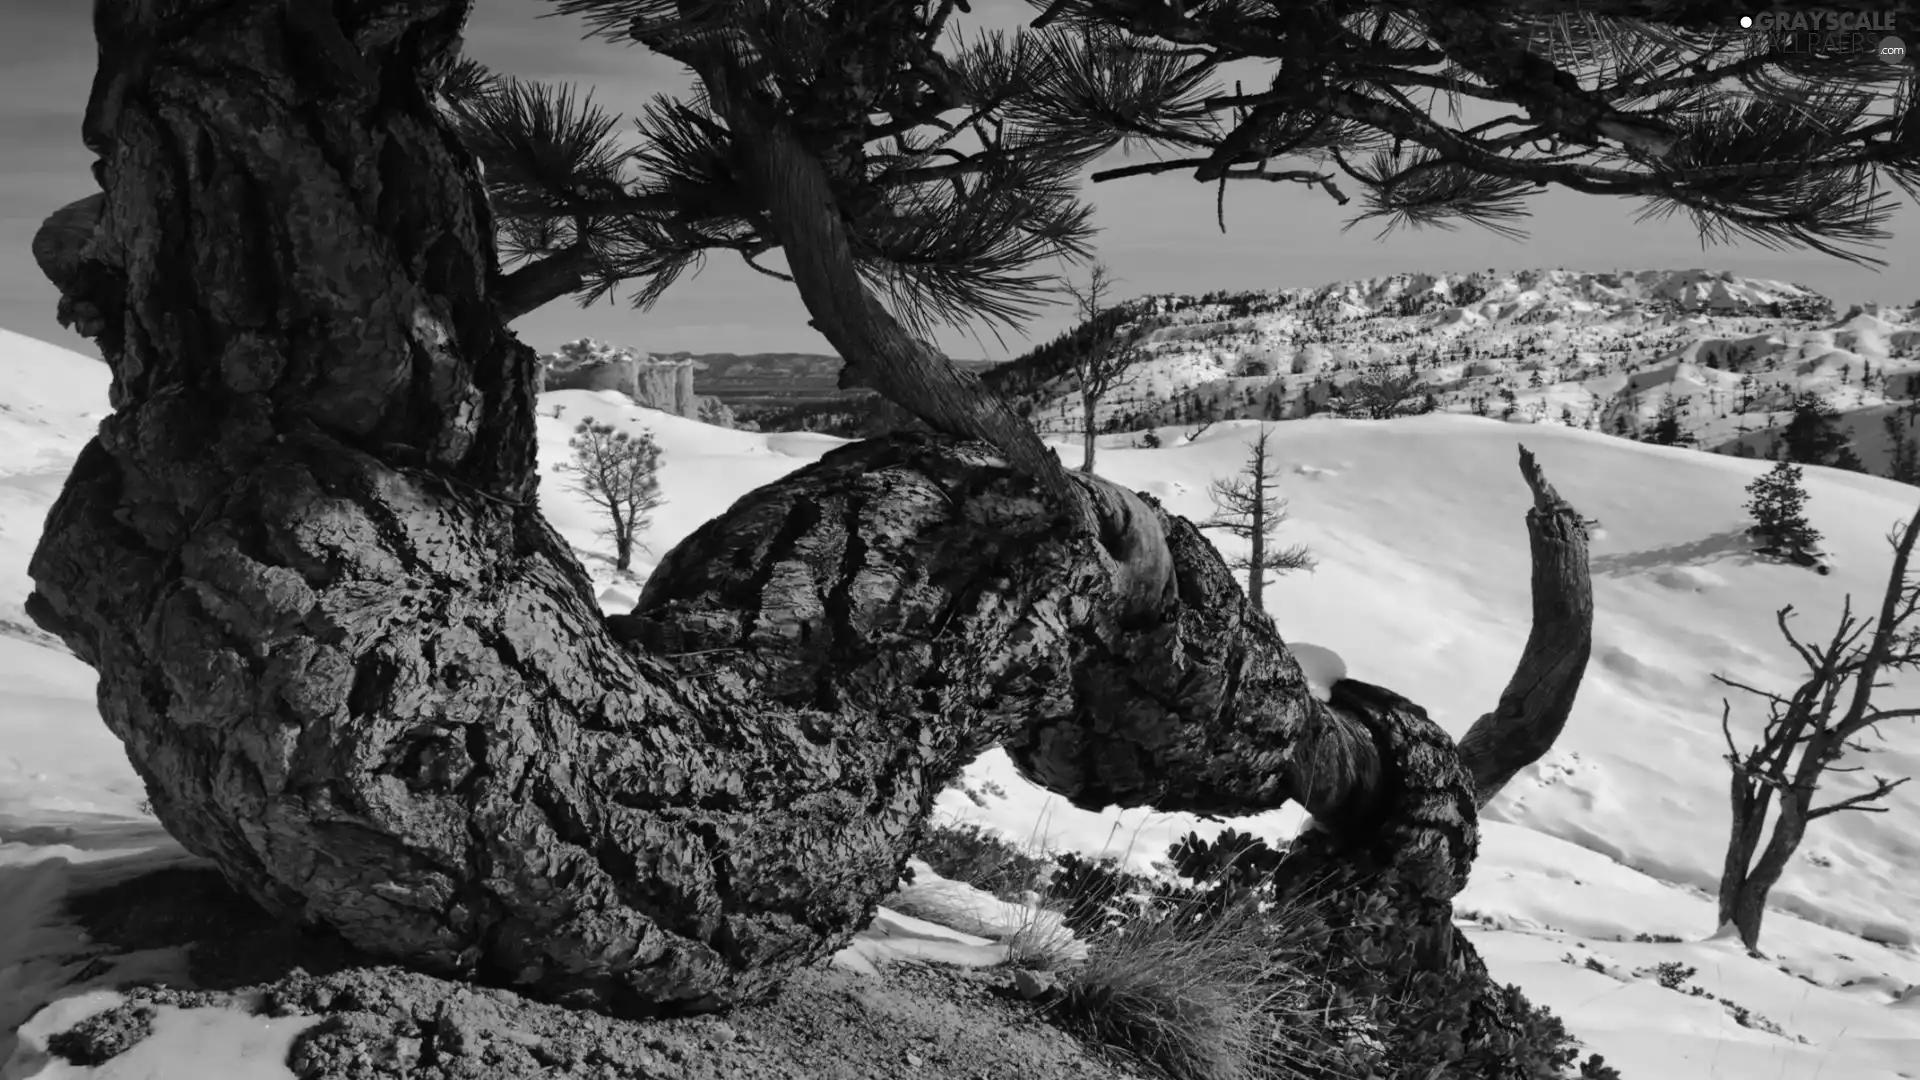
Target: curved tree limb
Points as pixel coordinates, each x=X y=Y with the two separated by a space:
x=1534 y=707
x=805 y=218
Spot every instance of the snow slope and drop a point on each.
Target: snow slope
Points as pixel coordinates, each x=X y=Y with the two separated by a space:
x=50 y=400
x=1421 y=587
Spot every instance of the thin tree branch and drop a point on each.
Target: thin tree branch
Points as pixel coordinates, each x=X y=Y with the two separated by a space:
x=748 y=258
x=1146 y=168
x=1882 y=787
x=1892 y=613
x=1755 y=691
x=1726 y=731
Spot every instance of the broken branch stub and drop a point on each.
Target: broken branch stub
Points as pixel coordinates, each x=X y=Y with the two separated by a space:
x=1534 y=707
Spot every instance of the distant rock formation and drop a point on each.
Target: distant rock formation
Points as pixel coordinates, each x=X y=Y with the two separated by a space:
x=1605 y=351
x=667 y=385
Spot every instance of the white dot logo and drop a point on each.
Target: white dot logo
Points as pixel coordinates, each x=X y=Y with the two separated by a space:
x=1746 y=22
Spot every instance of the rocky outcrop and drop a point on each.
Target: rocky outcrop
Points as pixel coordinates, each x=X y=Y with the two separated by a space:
x=666 y=385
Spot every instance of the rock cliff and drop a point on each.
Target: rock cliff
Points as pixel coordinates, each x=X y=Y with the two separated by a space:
x=664 y=384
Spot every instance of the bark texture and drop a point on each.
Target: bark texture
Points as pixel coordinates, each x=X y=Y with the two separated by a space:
x=1750 y=871
x=357 y=669
x=1534 y=707
x=542 y=281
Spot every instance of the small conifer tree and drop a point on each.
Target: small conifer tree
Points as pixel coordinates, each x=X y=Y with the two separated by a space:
x=1667 y=429
x=1777 y=500
x=1381 y=396
x=1814 y=436
x=1903 y=461
x=1249 y=507
x=619 y=473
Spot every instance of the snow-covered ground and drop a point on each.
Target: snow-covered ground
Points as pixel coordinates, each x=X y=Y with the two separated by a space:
x=1422 y=586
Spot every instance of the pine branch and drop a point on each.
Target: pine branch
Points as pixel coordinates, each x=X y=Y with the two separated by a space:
x=539 y=144
x=1751 y=140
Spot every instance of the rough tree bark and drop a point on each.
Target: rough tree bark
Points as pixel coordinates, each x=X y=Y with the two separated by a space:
x=1534 y=707
x=1746 y=882
x=1089 y=429
x=542 y=281
x=357 y=669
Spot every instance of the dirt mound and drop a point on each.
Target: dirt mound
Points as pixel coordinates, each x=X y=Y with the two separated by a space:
x=911 y=1021
x=828 y=1024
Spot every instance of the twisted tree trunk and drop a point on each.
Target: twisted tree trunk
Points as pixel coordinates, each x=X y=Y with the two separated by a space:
x=357 y=669
x=1746 y=880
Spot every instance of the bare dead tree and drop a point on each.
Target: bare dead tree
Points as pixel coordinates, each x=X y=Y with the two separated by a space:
x=1102 y=360
x=1248 y=506
x=1808 y=732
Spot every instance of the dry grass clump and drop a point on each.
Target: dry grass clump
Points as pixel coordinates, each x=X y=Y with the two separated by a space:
x=1200 y=993
x=1205 y=970
x=966 y=853
x=1191 y=983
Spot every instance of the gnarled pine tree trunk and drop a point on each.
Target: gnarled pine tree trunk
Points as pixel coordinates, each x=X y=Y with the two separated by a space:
x=357 y=669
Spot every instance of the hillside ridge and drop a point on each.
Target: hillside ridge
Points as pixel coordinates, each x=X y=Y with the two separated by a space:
x=1608 y=351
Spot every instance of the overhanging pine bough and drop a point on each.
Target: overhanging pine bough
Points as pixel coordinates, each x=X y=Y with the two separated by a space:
x=356 y=667
x=1753 y=136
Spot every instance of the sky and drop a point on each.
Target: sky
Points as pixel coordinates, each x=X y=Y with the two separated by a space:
x=1158 y=233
